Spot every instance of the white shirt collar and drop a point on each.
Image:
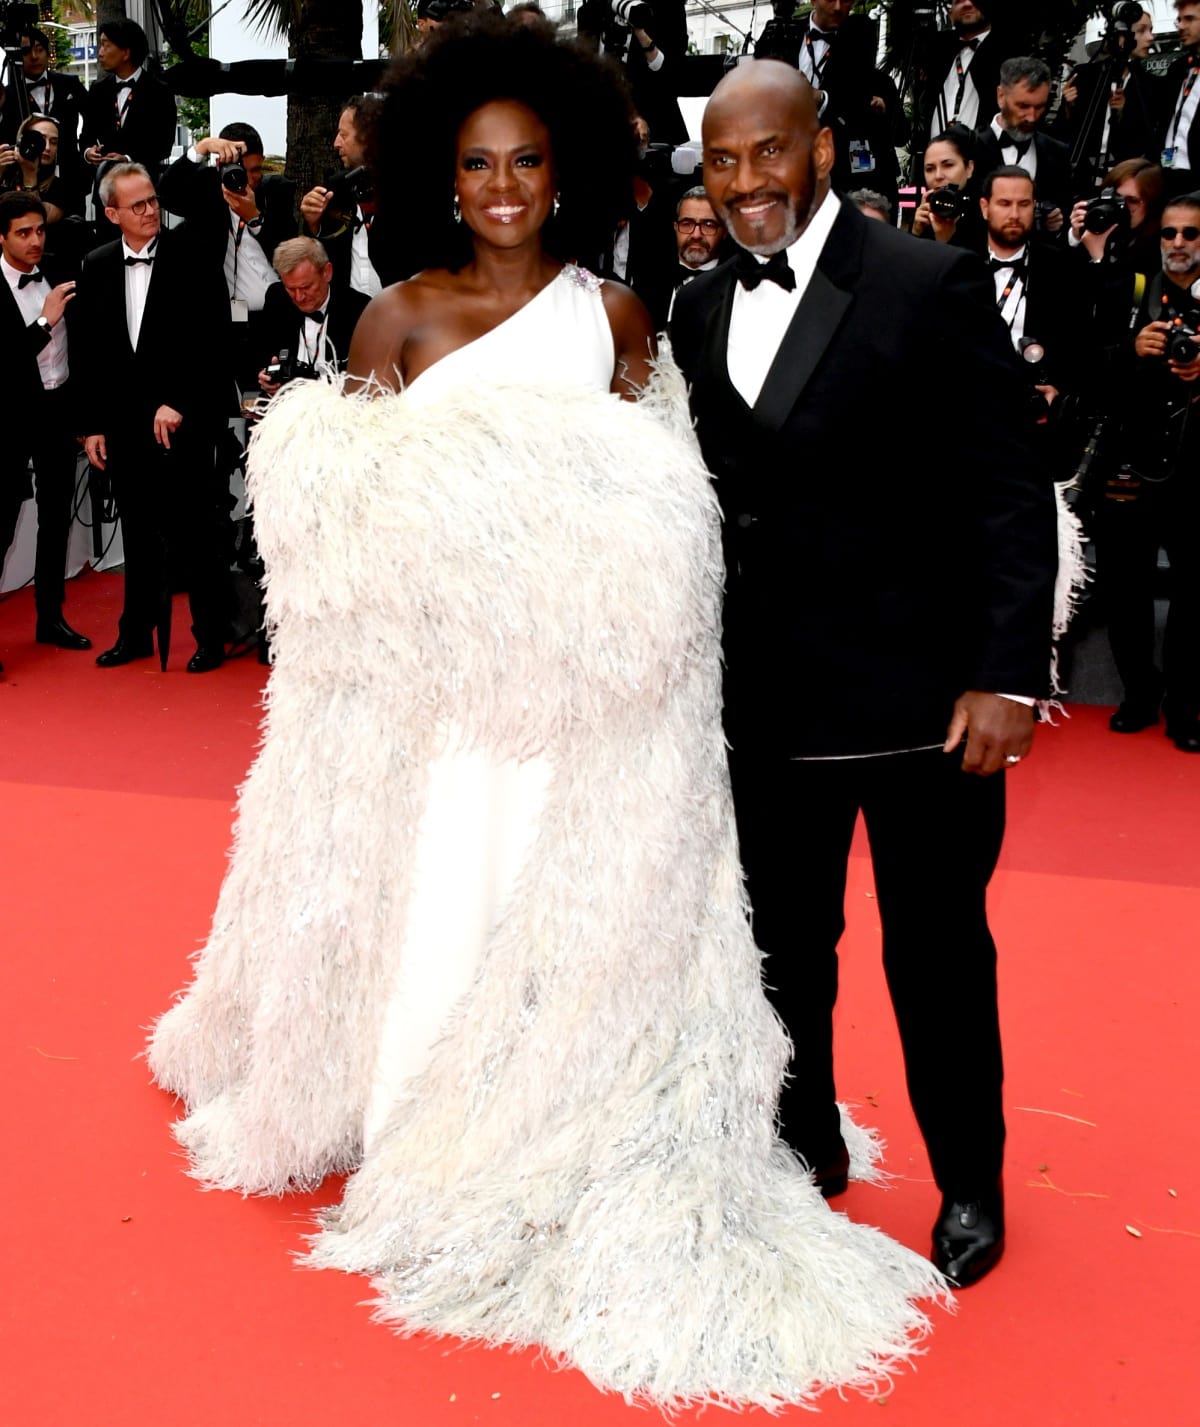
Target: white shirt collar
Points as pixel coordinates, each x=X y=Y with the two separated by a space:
x=148 y=251
x=14 y=275
x=1017 y=257
x=975 y=40
x=133 y=78
x=803 y=254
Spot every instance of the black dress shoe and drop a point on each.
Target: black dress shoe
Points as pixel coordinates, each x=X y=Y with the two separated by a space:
x=968 y=1237
x=831 y=1176
x=125 y=651
x=1185 y=737
x=58 y=632
x=1134 y=715
x=208 y=656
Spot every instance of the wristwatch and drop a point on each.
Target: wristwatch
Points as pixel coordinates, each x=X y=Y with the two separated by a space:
x=43 y=324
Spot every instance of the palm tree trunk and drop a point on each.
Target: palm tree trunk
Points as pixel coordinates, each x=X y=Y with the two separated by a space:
x=327 y=29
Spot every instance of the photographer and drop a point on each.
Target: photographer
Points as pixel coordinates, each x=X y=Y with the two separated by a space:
x=307 y=325
x=1153 y=499
x=946 y=213
x=964 y=67
x=57 y=96
x=239 y=216
x=1107 y=110
x=30 y=166
x=649 y=42
x=1178 y=134
x=1131 y=200
x=341 y=211
x=129 y=114
x=1014 y=137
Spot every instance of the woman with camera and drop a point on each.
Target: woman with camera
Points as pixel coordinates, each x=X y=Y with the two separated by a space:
x=483 y=940
x=31 y=166
x=945 y=213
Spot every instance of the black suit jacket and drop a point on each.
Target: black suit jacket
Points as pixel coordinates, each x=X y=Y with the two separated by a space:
x=873 y=574
x=1053 y=181
x=20 y=345
x=148 y=130
x=983 y=74
x=193 y=192
x=67 y=98
x=182 y=358
x=1131 y=134
x=848 y=77
x=282 y=321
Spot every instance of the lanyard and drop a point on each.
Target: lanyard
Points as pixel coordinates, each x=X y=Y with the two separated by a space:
x=237 y=247
x=1017 y=279
x=960 y=69
x=817 y=69
x=1189 y=85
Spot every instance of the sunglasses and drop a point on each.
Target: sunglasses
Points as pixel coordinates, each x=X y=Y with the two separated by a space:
x=689 y=225
x=1189 y=234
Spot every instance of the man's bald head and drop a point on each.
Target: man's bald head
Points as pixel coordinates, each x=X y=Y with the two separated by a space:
x=766 y=157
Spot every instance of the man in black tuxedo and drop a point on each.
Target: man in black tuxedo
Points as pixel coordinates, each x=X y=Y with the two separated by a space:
x=155 y=391
x=304 y=315
x=33 y=336
x=964 y=68
x=1179 y=99
x=837 y=55
x=1013 y=137
x=129 y=114
x=886 y=623
x=61 y=96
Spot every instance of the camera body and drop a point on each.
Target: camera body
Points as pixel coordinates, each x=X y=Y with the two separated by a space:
x=948 y=203
x=1104 y=211
x=349 y=188
x=1180 y=347
x=31 y=145
x=1042 y=210
x=234 y=176
x=285 y=368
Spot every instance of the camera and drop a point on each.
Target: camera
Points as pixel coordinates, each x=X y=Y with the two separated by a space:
x=234 y=176
x=31 y=145
x=949 y=203
x=633 y=14
x=1105 y=210
x=666 y=163
x=1119 y=39
x=1180 y=347
x=440 y=10
x=349 y=188
x=285 y=368
x=1042 y=210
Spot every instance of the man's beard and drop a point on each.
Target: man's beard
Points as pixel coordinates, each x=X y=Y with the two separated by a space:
x=696 y=254
x=795 y=225
x=1181 y=264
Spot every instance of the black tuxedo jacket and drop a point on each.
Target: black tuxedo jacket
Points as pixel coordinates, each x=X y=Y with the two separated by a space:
x=983 y=73
x=193 y=192
x=848 y=77
x=183 y=353
x=1132 y=132
x=1053 y=182
x=1170 y=87
x=148 y=129
x=20 y=345
x=653 y=256
x=282 y=322
x=67 y=98
x=874 y=573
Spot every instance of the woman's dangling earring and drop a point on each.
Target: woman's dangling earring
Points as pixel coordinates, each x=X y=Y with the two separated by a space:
x=456 y=209
x=557 y=204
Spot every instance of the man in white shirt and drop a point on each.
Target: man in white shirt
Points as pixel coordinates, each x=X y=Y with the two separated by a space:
x=1179 y=134
x=886 y=625
x=959 y=92
x=345 y=221
x=33 y=332
x=1015 y=137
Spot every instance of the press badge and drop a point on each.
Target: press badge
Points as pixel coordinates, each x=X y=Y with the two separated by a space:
x=1168 y=157
x=239 y=310
x=862 y=160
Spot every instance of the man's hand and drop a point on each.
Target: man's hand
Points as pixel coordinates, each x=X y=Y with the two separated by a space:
x=56 y=301
x=1187 y=371
x=997 y=730
x=1070 y=93
x=245 y=205
x=8 y=155
x=265 y=383
x=1116 y=100
x=166 y=420
x=1054 y=221
x=97 y=154
x=878 y=104
x=1151 y=341
x=1051 y=393
x=228 y=151
x=97 y=451
x=313 y=206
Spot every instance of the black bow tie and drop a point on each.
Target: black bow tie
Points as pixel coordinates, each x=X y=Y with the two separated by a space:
x=827 y=35
x=126 y=83
x=750 y=272
x=26 y=278
x=133 y=262
x=1021 y=146
x=995 y=263
x=971 y=45
x=317 y=317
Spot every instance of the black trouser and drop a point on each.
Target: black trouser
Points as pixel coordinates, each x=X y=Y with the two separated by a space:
x=935 y=834
x=55 y=460
x=172 y=519
x=1128 y=537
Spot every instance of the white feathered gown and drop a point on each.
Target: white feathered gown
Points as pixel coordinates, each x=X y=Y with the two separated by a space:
x=586 y=1160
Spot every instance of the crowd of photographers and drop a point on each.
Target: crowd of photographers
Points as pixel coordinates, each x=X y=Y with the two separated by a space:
x=1079 y=190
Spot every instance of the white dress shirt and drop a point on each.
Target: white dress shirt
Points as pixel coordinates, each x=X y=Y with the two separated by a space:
x=137 y=285
x=967 y=111
x=52 y=359
x=363 y=277
x=124 y=94
x=1180 y=128
x=314 y=348
x=814 y=53
x=1013 y=309
x=1008 y=150
x=760 y=318
x=248 y=274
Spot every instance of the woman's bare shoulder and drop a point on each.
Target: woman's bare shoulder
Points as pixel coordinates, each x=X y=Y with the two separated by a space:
x=387 y=322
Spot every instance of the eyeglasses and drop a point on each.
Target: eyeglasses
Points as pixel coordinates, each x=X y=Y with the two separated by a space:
x=141 y=207
x=689 y=225
x=1188 y=234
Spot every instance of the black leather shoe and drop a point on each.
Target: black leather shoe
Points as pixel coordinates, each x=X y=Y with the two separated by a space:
x=1186 y=737
x=1134 y=715
x=968 y=1237
x=208 y=656
x=58 y=632
x=833 y=1175
x=125 y=651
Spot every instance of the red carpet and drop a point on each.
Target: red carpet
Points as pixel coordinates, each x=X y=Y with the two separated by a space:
x=131 y=1297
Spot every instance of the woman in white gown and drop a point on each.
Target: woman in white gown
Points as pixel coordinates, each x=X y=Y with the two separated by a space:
x=482 y=940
